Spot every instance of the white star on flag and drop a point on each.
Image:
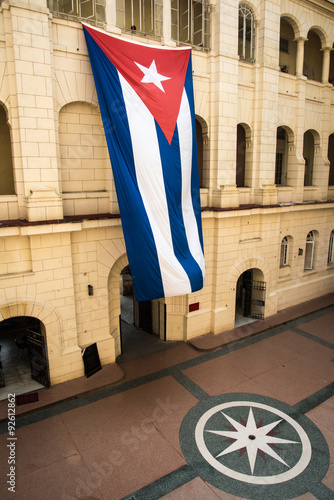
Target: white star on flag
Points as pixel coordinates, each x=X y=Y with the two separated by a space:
x=151 y=75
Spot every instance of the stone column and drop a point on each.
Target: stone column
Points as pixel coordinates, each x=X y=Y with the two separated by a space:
x=325 y=64
x=111 y=20
x=266 y=105
x=167 y=23
x=224 y=104
x=300 y=55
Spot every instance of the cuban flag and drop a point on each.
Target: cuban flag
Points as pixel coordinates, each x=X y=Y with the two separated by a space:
x=146 y=101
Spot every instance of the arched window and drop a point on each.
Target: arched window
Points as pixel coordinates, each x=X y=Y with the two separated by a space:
x=281 y=157
x=287 y=48
x=331 y=67
x=309 y=252
x=284 y=258
x=6 y=164
x=308 y=154
x=241 y=156
x=330 y=259
x=199 y=139
x=246 y=45
x=313 y=57
x=331 y=159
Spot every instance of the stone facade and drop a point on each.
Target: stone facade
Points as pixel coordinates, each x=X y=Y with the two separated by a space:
x=60 y=229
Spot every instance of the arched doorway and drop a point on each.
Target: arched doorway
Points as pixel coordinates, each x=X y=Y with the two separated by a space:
x=24 y=362
x=134 y=313
x=141 y=323
x=250 y=297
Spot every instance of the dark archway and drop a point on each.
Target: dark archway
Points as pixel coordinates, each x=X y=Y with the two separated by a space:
x=24 y=360
x=250 y=297
x=142 y=324
x=241 y=156
x=308 y=154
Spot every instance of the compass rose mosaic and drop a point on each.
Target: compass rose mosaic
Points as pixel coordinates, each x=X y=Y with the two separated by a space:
x=254 y=446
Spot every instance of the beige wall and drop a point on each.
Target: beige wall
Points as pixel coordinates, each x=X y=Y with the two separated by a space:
x=61 y=168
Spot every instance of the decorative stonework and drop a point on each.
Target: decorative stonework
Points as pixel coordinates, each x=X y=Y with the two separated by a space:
x=254 y=446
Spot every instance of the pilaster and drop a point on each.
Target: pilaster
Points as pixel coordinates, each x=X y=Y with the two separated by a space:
x=32 y=105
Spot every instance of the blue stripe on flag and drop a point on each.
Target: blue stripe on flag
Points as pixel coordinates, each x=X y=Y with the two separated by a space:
x=171 y=165
x=140 y=245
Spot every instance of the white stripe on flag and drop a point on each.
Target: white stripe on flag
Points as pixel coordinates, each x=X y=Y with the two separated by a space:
x=184 y=126
x=151 y=185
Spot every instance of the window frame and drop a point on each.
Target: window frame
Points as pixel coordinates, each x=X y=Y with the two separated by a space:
x=284 y=256
x=74 y=9
x=309 y=252
x=330 y=257
x=185 y=9
x=246 y=13
x=149 y=26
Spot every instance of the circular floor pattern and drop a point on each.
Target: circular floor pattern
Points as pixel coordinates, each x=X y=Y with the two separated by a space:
x=253 y=446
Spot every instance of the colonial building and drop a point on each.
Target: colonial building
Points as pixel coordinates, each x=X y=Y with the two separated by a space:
x=264 y=98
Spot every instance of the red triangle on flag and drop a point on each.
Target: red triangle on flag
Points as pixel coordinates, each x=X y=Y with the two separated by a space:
x=157 y=74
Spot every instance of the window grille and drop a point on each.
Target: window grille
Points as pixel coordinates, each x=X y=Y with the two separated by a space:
x=309 y=252
x=284 y=258
x=191 y=22
x=330 y=259
x=246 y=49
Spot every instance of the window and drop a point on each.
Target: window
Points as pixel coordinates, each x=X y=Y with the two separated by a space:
x=6 y=163
x=246 y=48
x=313 y=58
x=280 y=164
x=309 y=251
x=199 y=139
x=191 y=22
x=308 y=154
x=284 y=258
x=140 y=16
x=85 y=9
x=331 y=160
x=241 y=156
x=279 y=168
x=330 y=259
x=287 y=47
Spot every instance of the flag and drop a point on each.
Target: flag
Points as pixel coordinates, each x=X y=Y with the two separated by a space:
x=145 y=95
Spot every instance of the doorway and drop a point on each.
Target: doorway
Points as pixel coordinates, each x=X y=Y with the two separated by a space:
x=24 y=364
x=250 y=297
x=142 y=324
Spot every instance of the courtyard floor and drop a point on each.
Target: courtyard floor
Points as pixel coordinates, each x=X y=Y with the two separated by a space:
x=249 y=418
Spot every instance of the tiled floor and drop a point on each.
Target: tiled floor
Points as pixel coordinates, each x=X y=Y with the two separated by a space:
x=140 y=436
x=16 y=369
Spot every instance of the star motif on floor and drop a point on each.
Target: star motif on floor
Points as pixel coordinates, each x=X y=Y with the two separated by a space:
x=151 y=75
x=252 y=438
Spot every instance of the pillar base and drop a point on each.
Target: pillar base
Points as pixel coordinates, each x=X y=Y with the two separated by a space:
x=44 y=204
x=226 y=197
